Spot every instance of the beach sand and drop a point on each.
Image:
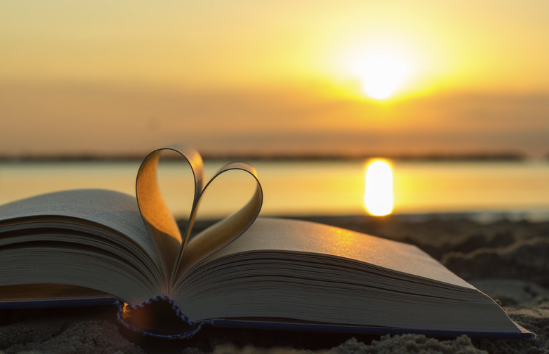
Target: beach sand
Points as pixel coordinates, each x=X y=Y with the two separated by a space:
x=507 y=260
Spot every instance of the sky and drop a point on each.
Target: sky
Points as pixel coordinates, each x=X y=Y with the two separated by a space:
x=291 y=77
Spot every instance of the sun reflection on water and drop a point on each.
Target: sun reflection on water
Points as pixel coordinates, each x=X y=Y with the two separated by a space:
x=378 y=194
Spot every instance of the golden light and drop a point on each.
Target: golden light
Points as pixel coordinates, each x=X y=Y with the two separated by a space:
x=378 y=194
x=382 y=75
x=383 y=68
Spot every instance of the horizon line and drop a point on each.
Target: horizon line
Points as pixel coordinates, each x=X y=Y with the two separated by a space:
x=472 y=156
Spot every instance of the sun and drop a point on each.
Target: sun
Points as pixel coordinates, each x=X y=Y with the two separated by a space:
x=382 y=75
x=381 y=71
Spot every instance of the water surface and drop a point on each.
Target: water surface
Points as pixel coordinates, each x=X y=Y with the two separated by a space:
x=307 y=187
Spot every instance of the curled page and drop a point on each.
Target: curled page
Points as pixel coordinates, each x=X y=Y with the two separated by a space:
x=225 y=231
x=158 y=219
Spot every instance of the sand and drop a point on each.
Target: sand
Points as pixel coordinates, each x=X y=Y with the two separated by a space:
x=507 y=260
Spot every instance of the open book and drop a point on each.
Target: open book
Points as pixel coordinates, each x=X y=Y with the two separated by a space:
x=92 y=246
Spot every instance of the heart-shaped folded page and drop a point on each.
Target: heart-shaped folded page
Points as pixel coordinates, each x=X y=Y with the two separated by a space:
x=176 y=251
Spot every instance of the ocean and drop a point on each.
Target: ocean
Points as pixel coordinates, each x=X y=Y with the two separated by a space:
x=481 y=190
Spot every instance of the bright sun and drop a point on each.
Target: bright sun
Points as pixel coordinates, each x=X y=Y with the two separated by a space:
x=382 y=75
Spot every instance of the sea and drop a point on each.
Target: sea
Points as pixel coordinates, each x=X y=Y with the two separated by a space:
x=480 y=190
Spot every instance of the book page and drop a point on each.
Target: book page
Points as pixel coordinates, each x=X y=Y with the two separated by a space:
x=156 y=215
x=307 y=237
x=48 y=292
x=115 y=210
x=227 y=230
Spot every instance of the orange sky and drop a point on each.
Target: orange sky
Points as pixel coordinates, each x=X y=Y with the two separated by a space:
x=272 y=76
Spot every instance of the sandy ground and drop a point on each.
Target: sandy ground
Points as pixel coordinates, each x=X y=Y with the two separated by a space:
x=507 y=260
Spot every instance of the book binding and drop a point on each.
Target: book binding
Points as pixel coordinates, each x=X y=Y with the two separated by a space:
x=144 y=318
x=127 y=318
x=181 y=327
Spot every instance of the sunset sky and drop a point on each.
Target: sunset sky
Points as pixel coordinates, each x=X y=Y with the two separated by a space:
x=239 y=76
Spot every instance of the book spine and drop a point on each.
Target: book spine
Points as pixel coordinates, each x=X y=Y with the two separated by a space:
x=124 y=309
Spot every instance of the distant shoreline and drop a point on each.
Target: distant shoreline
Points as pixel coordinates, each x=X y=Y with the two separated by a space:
x=512 y=157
